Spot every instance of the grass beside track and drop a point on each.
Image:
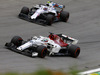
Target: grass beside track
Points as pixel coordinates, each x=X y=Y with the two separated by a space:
x=44 y=72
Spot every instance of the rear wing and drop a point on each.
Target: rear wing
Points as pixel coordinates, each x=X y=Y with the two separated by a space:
x=67 y=38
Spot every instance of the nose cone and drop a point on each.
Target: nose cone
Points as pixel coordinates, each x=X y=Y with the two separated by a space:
x=19 y=48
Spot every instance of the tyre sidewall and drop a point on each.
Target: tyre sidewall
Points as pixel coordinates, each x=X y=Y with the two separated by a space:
x=42 y=51
x=49 y=19
x=25 y=10
x=74 y=51
x=64 y=16
x=16 y=40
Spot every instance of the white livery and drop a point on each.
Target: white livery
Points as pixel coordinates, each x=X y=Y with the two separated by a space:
x=54 y=44
x=45 y=13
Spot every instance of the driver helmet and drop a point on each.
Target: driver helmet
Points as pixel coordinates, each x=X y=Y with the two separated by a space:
x=45 y=40
x=49 y=1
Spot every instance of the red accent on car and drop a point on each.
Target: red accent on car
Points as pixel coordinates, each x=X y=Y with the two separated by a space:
x=42 y=52
x=58 y=40
x=58 y=16
x=76 y=51
x=55 y=5
x=20 y=39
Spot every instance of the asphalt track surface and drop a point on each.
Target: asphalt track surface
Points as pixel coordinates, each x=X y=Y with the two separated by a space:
x=83 y=24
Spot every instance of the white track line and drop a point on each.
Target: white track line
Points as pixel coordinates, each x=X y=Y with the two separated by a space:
x=90 y=71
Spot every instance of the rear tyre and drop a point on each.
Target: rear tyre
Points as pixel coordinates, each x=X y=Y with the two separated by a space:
x=42 y=51
x=64 y=16
x=25 y=10
x=74 y=51
x=16 y=40
x=49 y=19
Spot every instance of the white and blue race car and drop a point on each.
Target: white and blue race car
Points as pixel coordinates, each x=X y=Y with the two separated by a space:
x=45 y=13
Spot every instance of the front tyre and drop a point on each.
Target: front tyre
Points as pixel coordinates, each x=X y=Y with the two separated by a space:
x=16 y=40
x=49 y=19
x=42 y=51
x=74 y=51
x=64 y=16
x=25 y=10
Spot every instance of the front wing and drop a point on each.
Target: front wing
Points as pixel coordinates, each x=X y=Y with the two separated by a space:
x=37 y=21
x=12 y=47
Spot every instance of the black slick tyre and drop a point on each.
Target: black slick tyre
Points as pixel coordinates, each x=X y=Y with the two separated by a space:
x=74 y=51
x=42 y=51
x=64 y=16
x=25 y=10
x=16 y=40
x=49 y=19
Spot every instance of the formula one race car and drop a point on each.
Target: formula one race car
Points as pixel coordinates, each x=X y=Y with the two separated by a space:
x=45 y=13
x=54 y=44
